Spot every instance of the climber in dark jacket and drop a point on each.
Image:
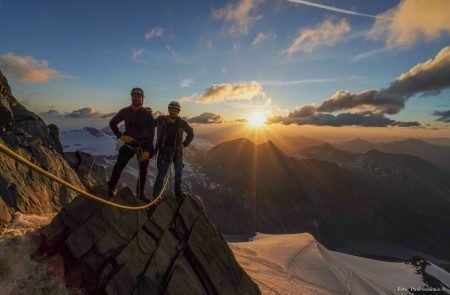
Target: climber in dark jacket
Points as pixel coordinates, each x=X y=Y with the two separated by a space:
x=170 y=146
x=137 y=138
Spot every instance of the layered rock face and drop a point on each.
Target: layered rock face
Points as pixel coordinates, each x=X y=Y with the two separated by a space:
x=89 y=172
x=169 y=249
x=24 y=132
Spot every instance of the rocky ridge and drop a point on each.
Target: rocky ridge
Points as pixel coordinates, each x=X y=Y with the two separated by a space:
x=22 y=189
x=172 y=248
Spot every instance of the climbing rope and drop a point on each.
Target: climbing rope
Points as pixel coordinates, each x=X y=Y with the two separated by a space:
x=38 y=169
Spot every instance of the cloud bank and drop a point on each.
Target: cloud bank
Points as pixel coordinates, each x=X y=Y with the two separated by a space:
x=369 y=107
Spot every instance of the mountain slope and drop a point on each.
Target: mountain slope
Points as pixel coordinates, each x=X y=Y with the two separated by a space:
x=299 y=264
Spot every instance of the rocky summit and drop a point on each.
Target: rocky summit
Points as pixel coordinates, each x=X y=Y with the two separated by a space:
x=22 y=189
x=171 y=248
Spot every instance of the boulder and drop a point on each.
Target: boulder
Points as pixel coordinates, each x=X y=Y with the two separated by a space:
x=171 y=248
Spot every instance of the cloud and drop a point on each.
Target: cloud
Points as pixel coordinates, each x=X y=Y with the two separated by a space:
x=240 y=16
x=412 y=20
x=86 y=112
x=373 y=100
x=366 y=119
x=238 y=92
x=28 y=69
x=136 y=53
x=187 y=98
x=206 y=118
x=369 y=107
x=304 y=111
x=444 y=116
x=332 y=8
x=326 y=34
x=262 y=37
x=154 y=33
x=427 y=78
x=186 y=83
x=50 y=113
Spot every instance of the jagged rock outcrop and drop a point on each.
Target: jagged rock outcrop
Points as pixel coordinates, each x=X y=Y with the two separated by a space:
x=27 y=134
x=6 y=115
x=89 y=172
x=172 y=248
x=5 y=215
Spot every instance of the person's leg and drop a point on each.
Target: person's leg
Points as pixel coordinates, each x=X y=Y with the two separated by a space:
x=163 y=167
x=178 y=167
x=140 y=186
x=125 y=154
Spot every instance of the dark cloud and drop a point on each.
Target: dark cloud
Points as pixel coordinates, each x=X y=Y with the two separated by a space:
x=444 y=116
x=428 y=78
x=206 y=118
x=304 y=111
x=366 y=119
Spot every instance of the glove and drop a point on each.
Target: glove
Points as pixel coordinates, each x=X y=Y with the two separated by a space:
x=126 y=139
x=144 y=156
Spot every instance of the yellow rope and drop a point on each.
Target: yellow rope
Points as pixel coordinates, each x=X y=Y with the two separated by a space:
x=38 y=169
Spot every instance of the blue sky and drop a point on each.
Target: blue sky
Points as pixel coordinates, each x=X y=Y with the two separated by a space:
x=70 y=55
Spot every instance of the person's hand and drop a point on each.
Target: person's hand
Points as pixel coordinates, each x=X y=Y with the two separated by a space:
x=144 y=156
x=126 y=139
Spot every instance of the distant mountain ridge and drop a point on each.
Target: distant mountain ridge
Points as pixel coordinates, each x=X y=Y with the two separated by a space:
x=437 y=155
x=271 y=192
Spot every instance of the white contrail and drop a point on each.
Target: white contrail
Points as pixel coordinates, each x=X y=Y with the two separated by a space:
x=327 y=7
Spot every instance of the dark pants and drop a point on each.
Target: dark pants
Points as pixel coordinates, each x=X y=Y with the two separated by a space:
x=125 y=154
x=163 y=166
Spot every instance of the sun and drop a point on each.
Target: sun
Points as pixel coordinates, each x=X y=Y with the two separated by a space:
x=256 y=119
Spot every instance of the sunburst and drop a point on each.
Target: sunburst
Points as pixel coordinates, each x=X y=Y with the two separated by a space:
x=256 y=119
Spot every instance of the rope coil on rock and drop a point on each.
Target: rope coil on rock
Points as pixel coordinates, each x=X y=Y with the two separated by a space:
x=4 y=149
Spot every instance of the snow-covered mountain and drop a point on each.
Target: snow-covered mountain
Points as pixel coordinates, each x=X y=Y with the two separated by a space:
x=89 y=140
x=299 y=264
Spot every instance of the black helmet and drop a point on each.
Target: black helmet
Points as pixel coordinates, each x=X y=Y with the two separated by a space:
x=137 y=90
x=174 y=105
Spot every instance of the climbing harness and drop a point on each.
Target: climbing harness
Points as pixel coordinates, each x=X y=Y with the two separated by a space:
x=53 y=177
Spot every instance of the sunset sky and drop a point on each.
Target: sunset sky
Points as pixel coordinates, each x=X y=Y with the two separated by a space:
x=319 y=62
